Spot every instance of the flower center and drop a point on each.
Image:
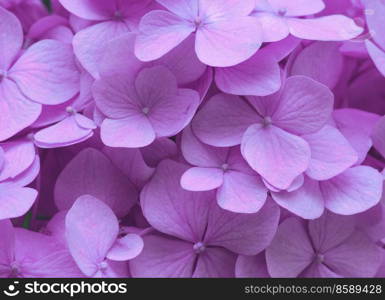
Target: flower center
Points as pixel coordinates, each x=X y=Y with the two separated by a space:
x=70 y=110
x=3 y=74
x=225 y=167
x=118 y=15
x=103 y=265
x=267 y=121
x=197 y=22
x=282 y=12
x=320 y=258
x=146 y=110
x=199 y=247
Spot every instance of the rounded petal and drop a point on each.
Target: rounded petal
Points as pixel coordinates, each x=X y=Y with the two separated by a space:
x=202 y=179
x=222 y=121
x=229 y=42
x=353 y=191
x=264 y=147
x=126 y=248
x=241 y=193
x=160 y=32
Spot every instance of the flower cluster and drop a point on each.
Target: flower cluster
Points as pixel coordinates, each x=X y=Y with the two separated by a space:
x=192 y=138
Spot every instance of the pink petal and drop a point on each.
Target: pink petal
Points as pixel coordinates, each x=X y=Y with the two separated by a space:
x=214 y=9
x=133 y=132
x=126 y=248
x=90 y=43
x=66 y=132
x=290 y=251
x=229 y=42
x=251 y=266
x=186 y=9
x=304 y=105
x=187 y=211
x=163 y=257
x=329 y=231
x=215 y=263
x=378 y=136
x=331 y=153
x=222 y=121
x=377 y=54
x=321 y=61
x=328 y=28
x=246 y=234
x=260 y=76
x=306 y=202
x=15 y=201
x=274 y=28
x=97 y=10
x=7 y=248
x=270 y=146
x=11 y=38
x=170 y=116
x=91 y=230
x=241 y=193
x=297 y=7
x=160 y=32
x=354 y=191
x=183 y=62
x=202 y=179
x=375 y=20
x=358 y=256
x=199 y=154
x=47 y=72
x=91 y=172
x=18 y=156
x=17 y=111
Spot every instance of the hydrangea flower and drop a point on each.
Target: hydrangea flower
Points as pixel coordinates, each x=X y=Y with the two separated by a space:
x=192 y=138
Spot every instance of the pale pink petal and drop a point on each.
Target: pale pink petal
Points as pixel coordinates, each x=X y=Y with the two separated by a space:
x=133 y=132
x=353 y=191
x=97 y=10
x=66 y=132
x=18 y=156
x=328 y=28
x=47 y=72
x=11 y=38
x=229 y=42
x=297 y=7
x=202 y=179
x=378 y=136
x=264 y=147
x=160 y=32
x=377 y=54
x=274 y=27
x=304 y=105
x=187 y=9
x=217 y=9
x=241 y=193
x=17 y=112
x=306 y=202
x=15 y=201
x=331 y=153
x=90 y=43
x=125 y=248
x=91 y=230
